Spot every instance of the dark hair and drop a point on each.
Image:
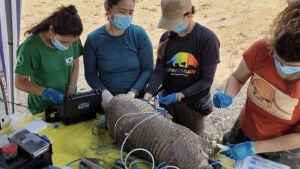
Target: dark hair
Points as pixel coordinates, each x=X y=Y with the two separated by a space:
x=65 y=21
x=162 y=46
x=111 y=3
x=285 y=34
x=193 y=11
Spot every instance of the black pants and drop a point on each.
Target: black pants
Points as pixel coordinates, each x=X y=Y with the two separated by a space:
x=184 y=115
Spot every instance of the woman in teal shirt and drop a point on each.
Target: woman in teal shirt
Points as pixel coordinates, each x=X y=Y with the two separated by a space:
x=118 y=57
x=48 y=63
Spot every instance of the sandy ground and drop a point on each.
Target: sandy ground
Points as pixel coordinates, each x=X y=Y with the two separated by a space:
x=237 y=23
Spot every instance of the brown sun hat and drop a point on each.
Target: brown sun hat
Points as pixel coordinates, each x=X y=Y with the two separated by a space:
x=172 y=13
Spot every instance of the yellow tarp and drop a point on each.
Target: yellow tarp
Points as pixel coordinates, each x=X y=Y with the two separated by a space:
x=70 y=142
x=225 y=161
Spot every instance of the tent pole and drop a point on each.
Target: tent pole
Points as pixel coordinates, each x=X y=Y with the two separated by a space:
x=10 y=78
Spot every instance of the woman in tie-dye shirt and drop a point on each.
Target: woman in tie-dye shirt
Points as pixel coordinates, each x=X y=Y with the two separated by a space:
x=187 y=59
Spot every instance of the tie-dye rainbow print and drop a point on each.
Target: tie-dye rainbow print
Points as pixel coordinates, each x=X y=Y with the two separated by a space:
x=184 y=63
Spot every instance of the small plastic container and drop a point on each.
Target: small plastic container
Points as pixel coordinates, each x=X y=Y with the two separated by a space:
x=51 y=115
x=10 y=151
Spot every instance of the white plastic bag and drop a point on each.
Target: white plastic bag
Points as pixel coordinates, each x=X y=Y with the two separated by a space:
x=35 y=125
x=16 y=120
x=257 y=162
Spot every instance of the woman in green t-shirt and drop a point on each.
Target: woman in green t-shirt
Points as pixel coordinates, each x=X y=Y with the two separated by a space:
x=47 y=64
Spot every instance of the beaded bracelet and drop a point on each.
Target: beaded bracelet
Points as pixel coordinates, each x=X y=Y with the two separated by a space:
x=72 y=87
x=252 y=147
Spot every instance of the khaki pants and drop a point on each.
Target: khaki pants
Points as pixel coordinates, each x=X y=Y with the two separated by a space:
x=184 y=115
x=290 y=158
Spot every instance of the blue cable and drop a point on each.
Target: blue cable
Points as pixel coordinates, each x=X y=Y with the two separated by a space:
x=161 y=164
x=73 y=162
x=215 y=162
x=145 y=100
x=101 y=124
x=44 y=137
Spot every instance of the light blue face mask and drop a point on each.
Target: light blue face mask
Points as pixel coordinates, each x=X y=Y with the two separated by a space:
x=285 y=69
x=180 y=28
x=122 y=21
x=58 y=45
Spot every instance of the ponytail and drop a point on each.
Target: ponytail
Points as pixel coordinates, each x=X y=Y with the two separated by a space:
x=161 y=51
x=65 y=21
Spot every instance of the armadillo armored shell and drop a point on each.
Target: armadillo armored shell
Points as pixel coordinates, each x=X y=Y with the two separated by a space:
x=167 y=141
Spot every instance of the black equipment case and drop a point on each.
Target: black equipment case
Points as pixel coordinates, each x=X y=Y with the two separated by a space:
x=80 y=107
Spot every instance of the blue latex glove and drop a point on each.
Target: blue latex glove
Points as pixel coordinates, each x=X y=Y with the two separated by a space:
x=239 y=151
x=167 y=100
x=222 y=100
x=53 y=95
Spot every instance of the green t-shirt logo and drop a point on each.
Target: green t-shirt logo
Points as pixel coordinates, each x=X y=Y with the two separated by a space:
x=69 y=60
x=20 y=60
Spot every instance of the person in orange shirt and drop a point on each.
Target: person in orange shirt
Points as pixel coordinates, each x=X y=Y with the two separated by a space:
x=269 y=123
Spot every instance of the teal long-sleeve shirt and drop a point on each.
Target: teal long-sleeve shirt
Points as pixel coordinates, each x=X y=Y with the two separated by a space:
x=118 y=63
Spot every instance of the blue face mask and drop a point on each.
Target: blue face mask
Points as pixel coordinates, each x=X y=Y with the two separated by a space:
x=122 y=21
x=180 y=28
x=285 y=69
x=58 y=45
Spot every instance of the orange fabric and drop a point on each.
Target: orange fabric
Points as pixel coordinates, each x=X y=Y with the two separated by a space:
x=272 y=107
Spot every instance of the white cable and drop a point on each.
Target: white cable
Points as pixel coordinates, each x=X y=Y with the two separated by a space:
x=223 y=124
x=137 y=149
x=138 y=161
x=115 y=133
x=154 y=114
x=140 y=149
